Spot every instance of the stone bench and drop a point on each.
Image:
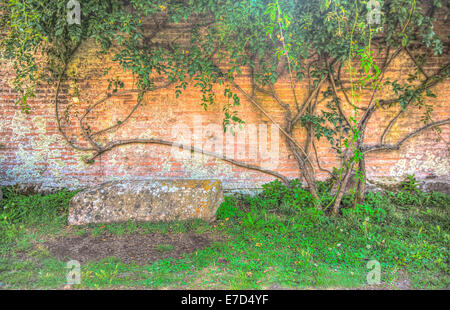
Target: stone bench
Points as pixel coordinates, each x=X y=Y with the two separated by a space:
x=147 y=200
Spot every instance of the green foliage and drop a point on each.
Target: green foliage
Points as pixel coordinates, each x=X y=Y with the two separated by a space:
x=164 y=247
x=33 y=29
x=366 y=211
x=19 y=211
x=275 y=193
x=34 y=209
x=237 y=33
x=228 y=208
x=405 y=231
x=410 y=184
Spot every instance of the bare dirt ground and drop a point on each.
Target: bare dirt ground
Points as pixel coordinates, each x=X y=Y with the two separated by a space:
x=140 y=249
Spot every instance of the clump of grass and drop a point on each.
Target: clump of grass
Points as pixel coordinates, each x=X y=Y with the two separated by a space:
x=34 y=209
x=19 y=213
x=164 y=247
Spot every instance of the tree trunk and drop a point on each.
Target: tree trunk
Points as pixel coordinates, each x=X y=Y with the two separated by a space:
x=309 y=179
x=361 y=187
x=341 y=190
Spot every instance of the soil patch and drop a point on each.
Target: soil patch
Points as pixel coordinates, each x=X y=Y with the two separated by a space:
x=137 y=248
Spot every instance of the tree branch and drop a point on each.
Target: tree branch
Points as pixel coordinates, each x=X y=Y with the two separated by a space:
x=56 y=100
x=396 y=146
x=188 y=148
x=335 y=95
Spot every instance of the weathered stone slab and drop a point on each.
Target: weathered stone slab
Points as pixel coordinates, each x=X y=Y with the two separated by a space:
x=152 y=200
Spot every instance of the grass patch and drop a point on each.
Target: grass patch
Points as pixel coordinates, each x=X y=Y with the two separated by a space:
x=164 y=247
x=273 y=240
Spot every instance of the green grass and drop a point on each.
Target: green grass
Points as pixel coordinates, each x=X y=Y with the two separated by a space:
x=164 y=247
x=275 y=239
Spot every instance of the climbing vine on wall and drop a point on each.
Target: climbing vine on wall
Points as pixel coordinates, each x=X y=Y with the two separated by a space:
x=331 y=45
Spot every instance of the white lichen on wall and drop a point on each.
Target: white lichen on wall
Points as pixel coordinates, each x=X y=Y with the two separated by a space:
x=37 y=161
x=416 y=162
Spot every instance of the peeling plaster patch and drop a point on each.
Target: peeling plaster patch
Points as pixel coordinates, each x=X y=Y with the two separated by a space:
x=42 y=145
x=221 y=170
x=140 y=149
x=166 y=166
x=195 y=165
x=5 y=123
x=421 y=162
x=39 y=163
x=197 y=169
x=27 y=171
x=113 y=161
x=40 y=124
x=80 y=163
x=20 y=126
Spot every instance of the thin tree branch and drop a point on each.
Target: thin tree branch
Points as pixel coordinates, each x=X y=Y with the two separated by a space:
x=56 y=101
x=372 y=104
x=335 y=95
x=288 y=136
x=318 y=162
x=188 y=148
x=389 y=126
x=307 y=101
x=391 y=147
x=416 y=62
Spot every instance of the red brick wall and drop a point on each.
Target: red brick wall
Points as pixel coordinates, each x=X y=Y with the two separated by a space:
x=34 y=152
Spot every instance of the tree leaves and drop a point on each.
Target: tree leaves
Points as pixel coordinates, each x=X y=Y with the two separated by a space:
x=225 y=39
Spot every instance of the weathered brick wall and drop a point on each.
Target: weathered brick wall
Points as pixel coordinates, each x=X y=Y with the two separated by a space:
x=34 y=153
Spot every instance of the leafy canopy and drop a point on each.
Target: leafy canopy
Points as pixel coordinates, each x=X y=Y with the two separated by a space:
x=225 y=38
